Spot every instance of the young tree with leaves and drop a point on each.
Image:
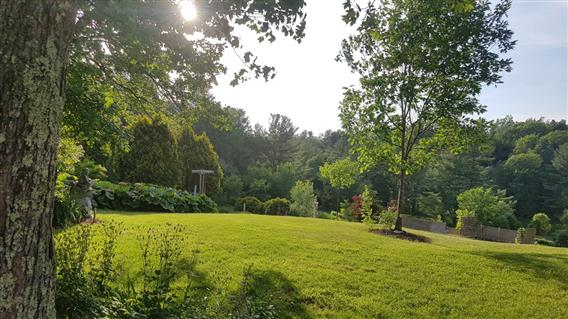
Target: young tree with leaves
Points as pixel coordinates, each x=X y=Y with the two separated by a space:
x=422 y=65
x=136 y=46
x=303 y=199
x=340 y=174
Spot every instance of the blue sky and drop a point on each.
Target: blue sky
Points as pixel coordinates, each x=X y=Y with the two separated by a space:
x=308 y=85
x=538 y=84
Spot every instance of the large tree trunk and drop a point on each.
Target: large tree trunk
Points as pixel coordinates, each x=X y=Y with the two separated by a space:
x=34 y=37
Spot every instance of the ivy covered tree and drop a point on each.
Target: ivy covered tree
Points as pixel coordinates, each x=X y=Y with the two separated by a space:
x=422 y=65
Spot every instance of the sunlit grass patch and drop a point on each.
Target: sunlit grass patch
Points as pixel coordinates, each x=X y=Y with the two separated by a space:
x=322 y=268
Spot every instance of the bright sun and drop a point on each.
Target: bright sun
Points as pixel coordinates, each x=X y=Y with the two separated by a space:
x=188 y=10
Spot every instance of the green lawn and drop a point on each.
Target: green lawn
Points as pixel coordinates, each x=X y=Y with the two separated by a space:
x=319 y=268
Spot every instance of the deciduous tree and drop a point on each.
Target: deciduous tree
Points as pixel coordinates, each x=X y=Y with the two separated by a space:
x=422 y=65
x=303 y=200
x=340 y=174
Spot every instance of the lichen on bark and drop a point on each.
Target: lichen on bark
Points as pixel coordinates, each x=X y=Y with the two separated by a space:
x=34 y=36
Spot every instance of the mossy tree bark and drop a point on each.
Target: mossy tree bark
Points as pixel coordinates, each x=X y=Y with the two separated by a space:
x=34 y=39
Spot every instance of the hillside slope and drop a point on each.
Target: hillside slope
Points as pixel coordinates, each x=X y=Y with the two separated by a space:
x=319 y=268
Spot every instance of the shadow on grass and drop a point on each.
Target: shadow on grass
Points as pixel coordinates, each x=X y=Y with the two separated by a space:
x=272 y=288
x=185 y=273
x=260 y=293
x=553 y=267
x=199 y=281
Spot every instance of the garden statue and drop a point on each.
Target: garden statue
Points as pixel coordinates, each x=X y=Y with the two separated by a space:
x=83 y=194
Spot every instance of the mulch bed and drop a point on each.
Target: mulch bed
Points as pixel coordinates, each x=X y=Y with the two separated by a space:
x=401 y=235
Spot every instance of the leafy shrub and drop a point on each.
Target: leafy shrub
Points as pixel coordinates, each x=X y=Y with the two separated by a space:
x=541 y=222
x=304 y=201
x=462 y=213
x=562 y=238
x=544 y=241
x=251 y=203
x=65 y=208
x=65 y=211
x=346 y=211
x=69 y=153
x=95 y=171
x=507 y=220
x=277 y=206
x=387 y=218
x=323 y=215
x=488 y=206
x=147 y=197
x=83 y=285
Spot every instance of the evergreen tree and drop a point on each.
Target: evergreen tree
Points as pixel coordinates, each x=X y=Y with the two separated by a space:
x=197 y=152
x=280 y=143
x=153 y=156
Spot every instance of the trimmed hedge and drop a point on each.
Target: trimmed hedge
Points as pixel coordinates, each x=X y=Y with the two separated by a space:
x=274 y=206
x=148 y=197
x=277 y=206
x=253 y=204
x=562 y=238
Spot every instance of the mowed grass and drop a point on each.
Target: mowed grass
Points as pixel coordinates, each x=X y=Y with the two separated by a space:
x=315 y=268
